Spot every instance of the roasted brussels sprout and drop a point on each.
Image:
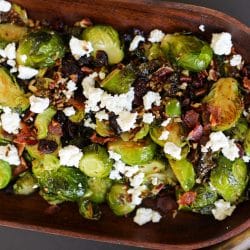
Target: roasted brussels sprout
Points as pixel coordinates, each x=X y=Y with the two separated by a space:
x=230 y=178
x=173 y=108
x=22 y=14
x=10 y=32
x=247 y=143
x=224 y=104
x=40 y=49
x=11 y=94
x=154 y=52
x=89 y=210
x=239 y=132
x=184 y=172
x=105 y=38
x=103 y=129
x=95 y=161
x=134 y=153
x=119 y=200
x=188 y=52
x=26 y=184
x=42 y=122
x=131 y=136
x=5 y=174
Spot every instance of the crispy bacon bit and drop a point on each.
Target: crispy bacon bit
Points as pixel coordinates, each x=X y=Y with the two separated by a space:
x=191 y=119
x=187 y=198
x=196 y=133
x=21 y=168
x=101 y=140
x=26 y=135
x=162 y=72
x=55 y=128
x=86 y=70
x=246 y=83
x=76 y=104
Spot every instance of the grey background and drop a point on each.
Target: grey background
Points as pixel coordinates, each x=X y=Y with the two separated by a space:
x=14 y=239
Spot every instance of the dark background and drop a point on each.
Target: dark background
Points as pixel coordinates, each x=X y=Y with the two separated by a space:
x=14 y=239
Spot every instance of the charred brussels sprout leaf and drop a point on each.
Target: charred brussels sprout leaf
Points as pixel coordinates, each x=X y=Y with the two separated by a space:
x=188 y=52
x=11 y=32
x=224 y=104
x=89 y=210
x=11 y=94
x=105 y=38
x=119 y=200
x=5 y=174
x=40 y=49
x=134 y=153
x=230 y=178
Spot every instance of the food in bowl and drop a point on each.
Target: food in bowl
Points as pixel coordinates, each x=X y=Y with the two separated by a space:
x=90 y=115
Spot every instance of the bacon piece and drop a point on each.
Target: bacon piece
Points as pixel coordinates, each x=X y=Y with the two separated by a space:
x=187 y=198
x=26 y=135
x=191 y=119
x=101 y=140
x=76 y=104
x=246 y=83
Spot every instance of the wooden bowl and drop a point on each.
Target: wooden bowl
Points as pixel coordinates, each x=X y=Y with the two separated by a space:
x=187 y=230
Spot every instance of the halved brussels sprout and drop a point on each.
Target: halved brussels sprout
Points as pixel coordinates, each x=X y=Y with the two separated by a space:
x=230 y=178
x=95 y=161
x=5 y=174
x=10 y=32
x=40 y=49
x=119 y=81
x=21 y=12
x=188 y=52
x=134 y=153
x=135 y=136
x=11 y=94
x=224 y=104
x=154 y=52
x=78 y=116
x=103 y=129
x=119 y=200
x=89 y=210
x=184 y=172
x=247 y=143
x=239 y=132
x=173 y=108
x=105 y=38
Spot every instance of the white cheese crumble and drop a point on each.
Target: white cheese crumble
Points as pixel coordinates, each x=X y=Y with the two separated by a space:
x=156 y=36
x=164 y=135
x=69 y=111
x=173 y=150
x=221 y=43
x=148 y=118
x=10 y=51
x=137 y=180
x=222 y=209
x=71 y=87
x=145 y=215
x=80 y=48
x=5 y=6
x=88 y=123
x=151 y=98
x=135 y=42
x=9 y=153
x=166 y=122
x=246 y=158
x=236 y=60
x=10 y=121
x=202 y=28
x=101 y=115
x=26 y=73
x=113 y=155
x=126 y=120
x=38 y=104
x=102 y=75
x=70 y=156
x=136 y=194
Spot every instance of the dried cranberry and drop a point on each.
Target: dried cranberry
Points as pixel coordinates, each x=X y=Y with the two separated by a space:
x=47 y=146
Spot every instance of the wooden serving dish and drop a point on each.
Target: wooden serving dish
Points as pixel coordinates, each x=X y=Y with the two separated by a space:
x=187 y=230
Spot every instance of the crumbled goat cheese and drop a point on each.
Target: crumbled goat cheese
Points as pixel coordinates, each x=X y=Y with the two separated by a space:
x=156 y=36
x=164 y=135
x=145 y=215
x=26 y=73
x=38 y=104
x=5 y=6
x=221 y=43
x=222 y=209
x=119 y=168
x=155 y=181
x=173 y=150
x=80 y=48
x=69 y=111
x=137 y=180
x=231 y=151
x=9 y=51
x=114 y=156
x=148 y=118
x=135 y=42
x=11 y=63
x=70 y=156
x=101 y=115
x=10 y=121
x=246 y=158
x=236 y=60
x=126 y=120
x=136 y=193
x=88 y=123
x=102 y=75
x=151 y=98
x=115 y=175
x=9 y=153
x=71 y=87
x=129 y=171
x=202 y=28
x=166 y=122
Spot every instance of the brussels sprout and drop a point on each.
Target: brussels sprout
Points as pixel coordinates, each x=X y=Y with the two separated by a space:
x=42 y=122
x=40 y=49
x=26 y=184
x=99 y=188
x=52 y=199
x=10 y=32
x=224 y=104
x=131 y=136
x=119 y=81
x=105 y=38
x=173 y=108
x=134 y=153
x=154 y=52
x=11 y=94
x=184 y=172
x=89 y=210
x=5 y=174
x=188 y=52
x=67 y=184
x=21 y=12
x=240 y=130
x=247 y=143
x=95 y=161
x=103 y=129
x=119 y=200
x=78 y=116
x=230 y=178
